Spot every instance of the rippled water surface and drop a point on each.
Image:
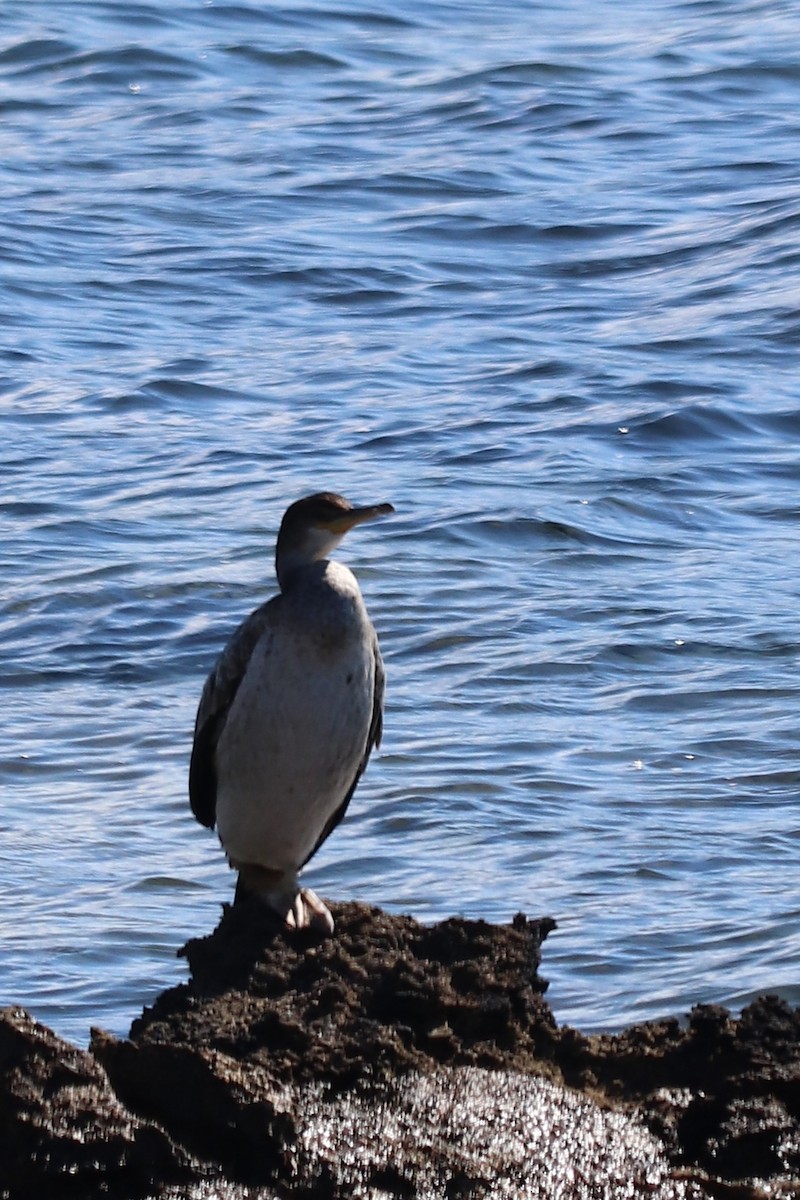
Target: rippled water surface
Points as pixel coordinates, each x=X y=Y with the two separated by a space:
x=528 y=272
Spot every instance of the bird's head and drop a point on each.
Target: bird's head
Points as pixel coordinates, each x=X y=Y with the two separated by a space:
x=312 y=528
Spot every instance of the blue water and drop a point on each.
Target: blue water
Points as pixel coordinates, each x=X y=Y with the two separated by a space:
x=530 y=273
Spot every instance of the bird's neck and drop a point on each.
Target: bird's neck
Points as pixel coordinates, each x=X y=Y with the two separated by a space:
x=322 y=605
x=292 y=555
x=289 y=567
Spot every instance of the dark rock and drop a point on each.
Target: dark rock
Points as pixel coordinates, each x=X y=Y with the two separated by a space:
x=384 y=995
x=63 y=1131
x=396 y=1060
x=723 y=1094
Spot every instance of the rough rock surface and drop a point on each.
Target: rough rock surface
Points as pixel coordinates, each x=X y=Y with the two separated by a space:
x=396 y=1060
x=63 y=1132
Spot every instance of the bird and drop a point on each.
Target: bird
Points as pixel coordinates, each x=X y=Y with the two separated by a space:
x=290 y=713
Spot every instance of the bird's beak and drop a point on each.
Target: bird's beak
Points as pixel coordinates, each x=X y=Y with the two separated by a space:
x=357 y=516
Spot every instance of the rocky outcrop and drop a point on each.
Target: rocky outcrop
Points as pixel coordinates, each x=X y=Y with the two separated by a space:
x=396 y=1060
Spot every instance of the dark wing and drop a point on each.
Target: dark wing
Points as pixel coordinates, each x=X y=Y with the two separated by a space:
x=373 y=739
x=218 y=696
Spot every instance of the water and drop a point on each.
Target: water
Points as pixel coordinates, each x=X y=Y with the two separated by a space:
x=531 y=275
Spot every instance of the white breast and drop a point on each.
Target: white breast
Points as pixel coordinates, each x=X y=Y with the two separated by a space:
x=298 y=727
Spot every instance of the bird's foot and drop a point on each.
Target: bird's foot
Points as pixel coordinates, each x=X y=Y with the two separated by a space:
x=309 y=912
x=296 y=907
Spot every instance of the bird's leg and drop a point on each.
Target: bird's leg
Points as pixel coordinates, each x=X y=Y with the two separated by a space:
x=298 y=908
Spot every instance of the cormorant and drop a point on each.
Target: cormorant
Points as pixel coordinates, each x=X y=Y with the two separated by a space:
x=290 y=713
